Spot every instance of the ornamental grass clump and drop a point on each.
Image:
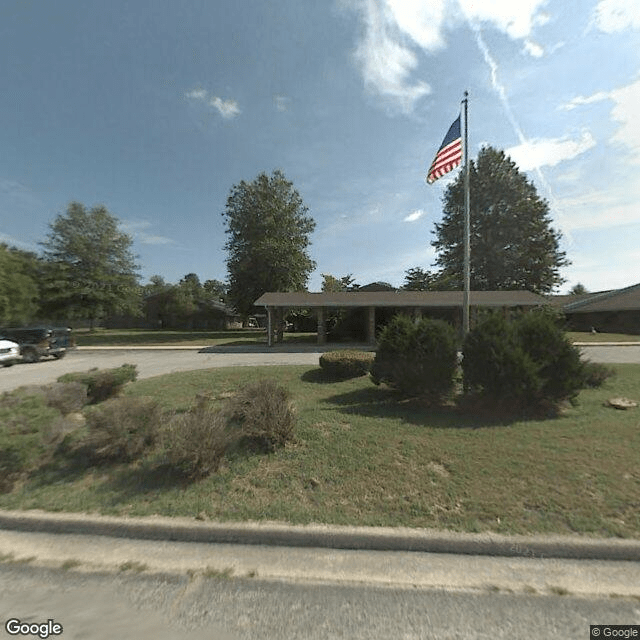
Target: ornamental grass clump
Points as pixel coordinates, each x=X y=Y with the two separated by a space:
x=264 y=415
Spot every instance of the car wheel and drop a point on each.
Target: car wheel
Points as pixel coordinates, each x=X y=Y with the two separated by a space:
x=57 y=356
x=8 y=364
x=30 y=355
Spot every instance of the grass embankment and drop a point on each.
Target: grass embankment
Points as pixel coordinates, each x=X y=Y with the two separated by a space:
x=362 y=457
x=578 y=336
x=145 y=337
x=239 y=337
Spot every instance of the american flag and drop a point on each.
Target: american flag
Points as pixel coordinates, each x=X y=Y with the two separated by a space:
x=449 y=154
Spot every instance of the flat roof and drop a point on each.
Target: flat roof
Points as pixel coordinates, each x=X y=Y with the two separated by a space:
x=400 y=299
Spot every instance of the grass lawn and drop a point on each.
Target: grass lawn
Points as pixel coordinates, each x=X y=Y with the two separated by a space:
x=583 y=336
x=139 y=337
x=362 y=457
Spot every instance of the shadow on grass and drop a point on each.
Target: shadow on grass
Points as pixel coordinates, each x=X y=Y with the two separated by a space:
x=320 y=376
x=382 y=402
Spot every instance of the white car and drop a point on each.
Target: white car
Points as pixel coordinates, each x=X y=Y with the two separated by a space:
x=9 y=353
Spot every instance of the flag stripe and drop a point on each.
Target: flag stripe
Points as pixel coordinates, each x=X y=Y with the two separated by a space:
x=449 y=154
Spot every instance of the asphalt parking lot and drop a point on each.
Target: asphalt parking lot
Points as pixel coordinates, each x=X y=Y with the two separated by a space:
x=155 y=362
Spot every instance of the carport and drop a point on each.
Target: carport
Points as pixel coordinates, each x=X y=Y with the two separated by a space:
x=416 y=303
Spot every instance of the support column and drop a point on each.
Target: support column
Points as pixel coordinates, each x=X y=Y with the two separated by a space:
x=269 y=327
x=371 y=325
x=322 y=329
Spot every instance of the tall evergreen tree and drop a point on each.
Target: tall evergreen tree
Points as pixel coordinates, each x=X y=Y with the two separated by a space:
x=268 y=235
x=513 y=245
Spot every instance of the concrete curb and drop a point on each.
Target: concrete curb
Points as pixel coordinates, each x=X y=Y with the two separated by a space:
x=323 y=536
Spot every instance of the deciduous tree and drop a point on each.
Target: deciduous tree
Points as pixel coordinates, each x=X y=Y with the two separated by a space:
x=268 y=230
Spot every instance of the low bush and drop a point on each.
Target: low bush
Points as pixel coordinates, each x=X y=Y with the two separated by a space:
x=417 y=358
x=103 y=384
x=346 y=363
x=122 y=429
x=66 y=397
x=523 y=365
x=195 y=442
x=595 y=374
x=25 y=433
x=264 y=414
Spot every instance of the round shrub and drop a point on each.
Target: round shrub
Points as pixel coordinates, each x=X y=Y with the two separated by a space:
x=417 y=358
x=103 y=384
x=346 y=363
x=526 y=364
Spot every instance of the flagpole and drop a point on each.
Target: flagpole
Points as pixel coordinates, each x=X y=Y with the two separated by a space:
x=467 y=233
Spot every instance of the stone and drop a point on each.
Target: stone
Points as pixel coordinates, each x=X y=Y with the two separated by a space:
x=621 y=403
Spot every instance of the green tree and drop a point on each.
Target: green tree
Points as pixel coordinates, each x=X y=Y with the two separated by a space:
x=331 y=284
x=19 y=293
x=268 y=236
x=578 y=289
x=513 y=245
x=90 y=270
x=215 y=290
x=417 y=279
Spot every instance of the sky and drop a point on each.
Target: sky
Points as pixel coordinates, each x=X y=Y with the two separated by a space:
x=156 y=108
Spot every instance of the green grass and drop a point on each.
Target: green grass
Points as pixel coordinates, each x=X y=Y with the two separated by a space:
x=146 y=337
x=363 y=457
x=583 y=336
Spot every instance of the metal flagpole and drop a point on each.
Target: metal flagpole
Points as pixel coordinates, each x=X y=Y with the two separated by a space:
x=467 y=233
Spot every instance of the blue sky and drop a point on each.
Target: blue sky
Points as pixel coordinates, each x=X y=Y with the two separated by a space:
x=155 y=108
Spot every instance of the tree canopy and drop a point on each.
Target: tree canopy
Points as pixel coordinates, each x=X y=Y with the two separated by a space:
x=513 y=245
x=268 y=229
x=90 y=270
x=19 y=293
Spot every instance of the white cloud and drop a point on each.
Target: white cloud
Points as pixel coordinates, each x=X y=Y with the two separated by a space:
x=385 y=62
x=582 y=100
x=394 y=29
x=415 y=215
x=599 y=210
x=533 y=154
x=136 y=230
x=617 y=15
x=515 y=18
x=625 y=112
x=196 y=94
x=282 y=103
x=533 y=49
x=227 y=108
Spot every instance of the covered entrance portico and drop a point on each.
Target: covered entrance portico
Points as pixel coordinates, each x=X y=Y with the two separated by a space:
x=416 y=303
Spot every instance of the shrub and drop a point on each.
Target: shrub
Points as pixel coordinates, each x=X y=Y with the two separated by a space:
x=596 y=373
x=418 y=359
x=526 y=364
x=346 y=363
x=66 y=397
x=122 y=429
x=196 y=442
x=103 y=384
x=264 y=413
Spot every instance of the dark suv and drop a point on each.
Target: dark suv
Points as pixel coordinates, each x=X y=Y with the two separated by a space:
x=37 y=342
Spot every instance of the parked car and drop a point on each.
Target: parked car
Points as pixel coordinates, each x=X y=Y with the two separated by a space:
x=9 y=353
x=37 y=342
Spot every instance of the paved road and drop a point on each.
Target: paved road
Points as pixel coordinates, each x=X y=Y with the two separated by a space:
x=157 y=362
x=150 y=363
x=106 y=606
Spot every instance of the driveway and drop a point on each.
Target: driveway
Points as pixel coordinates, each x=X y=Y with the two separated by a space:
x=154 y=362
x=150 y=362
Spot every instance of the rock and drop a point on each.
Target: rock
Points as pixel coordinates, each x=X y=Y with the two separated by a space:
x=621 y=403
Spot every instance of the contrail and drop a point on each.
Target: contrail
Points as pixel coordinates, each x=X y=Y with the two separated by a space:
x=502 y=94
